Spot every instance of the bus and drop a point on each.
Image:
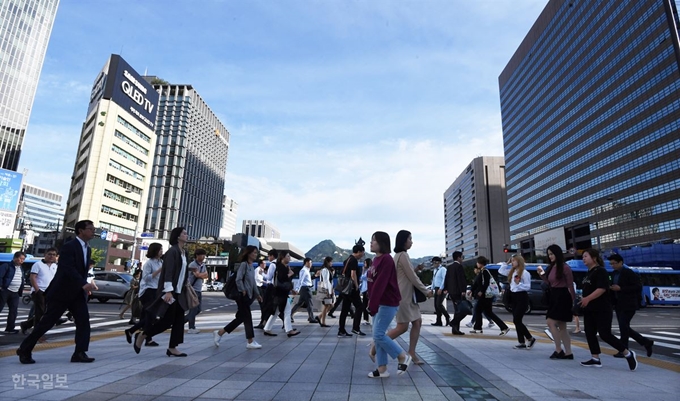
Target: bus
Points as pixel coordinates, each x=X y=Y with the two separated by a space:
x=660 y=285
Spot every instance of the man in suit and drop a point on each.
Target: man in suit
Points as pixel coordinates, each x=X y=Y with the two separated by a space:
x=68 y=290
x=626 y=294
x=455 y=285
x=11 y=287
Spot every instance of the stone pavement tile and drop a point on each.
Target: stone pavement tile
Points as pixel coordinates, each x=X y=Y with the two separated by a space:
x=110 y=378
x=82 y=385
x=330 y=395
x=258 y=394
x=93 y=395
x=266 y=365
x=299 y=386
x=221 y=393
x=233 y=384
x=232 y=364
x=367 y=397
x=57 y=395
x=506 y=388
x=297 y=395
x=450 y=394
x=374 y=388
x=429 y=391
x=244 y=377
x=133 y=397
x=216 y=374
x=118 y=387
x=205 y=383
x=185 y=391
x=140 y=378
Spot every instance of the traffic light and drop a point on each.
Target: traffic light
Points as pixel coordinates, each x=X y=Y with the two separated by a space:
x=508 y=249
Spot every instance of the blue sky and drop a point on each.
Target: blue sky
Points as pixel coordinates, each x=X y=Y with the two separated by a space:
x=346 y=117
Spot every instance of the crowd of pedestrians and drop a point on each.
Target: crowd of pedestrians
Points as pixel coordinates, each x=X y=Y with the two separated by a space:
x=386 y=289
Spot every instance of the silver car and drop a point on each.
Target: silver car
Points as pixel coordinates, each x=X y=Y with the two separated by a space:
x=112 y=285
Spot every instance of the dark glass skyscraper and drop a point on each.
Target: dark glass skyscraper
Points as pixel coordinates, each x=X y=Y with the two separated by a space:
x=590 y=105
x=187 y=184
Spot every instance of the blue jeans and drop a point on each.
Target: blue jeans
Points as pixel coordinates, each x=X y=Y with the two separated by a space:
x=191 y=316
x=384 y=345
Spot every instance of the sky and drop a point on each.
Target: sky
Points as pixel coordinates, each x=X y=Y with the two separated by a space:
x=345 y=117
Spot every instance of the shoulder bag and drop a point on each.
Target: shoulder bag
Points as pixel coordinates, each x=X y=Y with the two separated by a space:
x=492 y=289
x=230 y=290
x=345 y=284
x=190 y=296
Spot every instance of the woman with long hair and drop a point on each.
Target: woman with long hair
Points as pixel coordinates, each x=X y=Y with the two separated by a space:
x=484 y=304
x=325 y=287
x=597 y=311
x=409 y=311
x=147 y=290
x=171 y=284
x=383 y=302
x=520 y=283
x=560 y=283
x=245 y=283
x=283 y=285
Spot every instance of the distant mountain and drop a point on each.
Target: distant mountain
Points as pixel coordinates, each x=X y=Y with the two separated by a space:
x=328 y=248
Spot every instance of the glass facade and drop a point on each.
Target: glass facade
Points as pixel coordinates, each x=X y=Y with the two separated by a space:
x=590 y=108
x=41 y=210
x=189 y=167
x=25 y=28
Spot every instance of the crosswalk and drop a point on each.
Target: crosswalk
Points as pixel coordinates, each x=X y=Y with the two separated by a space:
x=666 y=339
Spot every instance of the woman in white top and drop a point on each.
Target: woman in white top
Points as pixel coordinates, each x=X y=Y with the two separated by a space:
x=325 y=287
x=520 y=283
x=148 y=284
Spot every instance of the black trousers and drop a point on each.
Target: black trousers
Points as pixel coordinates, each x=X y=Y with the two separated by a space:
x=364 y=303
x=243 y=315
x=146 y=299
x=520 y=302
x=11 y=299
x=173 y=317
x=53 y=310
x=38 y=298
x=305 y=296
x=624 y=317
x=354 y=298
x=267 y=306
x=600 y=322
x=485 y=305
x=457 y=316
x=439 y=308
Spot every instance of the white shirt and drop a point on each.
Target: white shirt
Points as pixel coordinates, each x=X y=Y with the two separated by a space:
x=15 y=285
x=259 y=277
x=44 y=274
x=148 y=281
x=269 y=277
x=83 y=244
x=326 y=280
x=439 y=277
x=305 y=278
x=517 y=284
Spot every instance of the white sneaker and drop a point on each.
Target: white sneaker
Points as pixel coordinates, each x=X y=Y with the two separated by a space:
x=216 y=338
x=468 y=324
x=253 y=345
x=491 y=324
x=193 y=331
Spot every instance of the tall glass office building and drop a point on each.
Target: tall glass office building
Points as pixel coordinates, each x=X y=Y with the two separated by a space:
x=189 y=167
x=25 y=28
x=590 y=105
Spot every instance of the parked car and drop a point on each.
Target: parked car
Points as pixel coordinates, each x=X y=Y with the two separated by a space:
x=214 y=286
x=535 y=296
x=112 y=285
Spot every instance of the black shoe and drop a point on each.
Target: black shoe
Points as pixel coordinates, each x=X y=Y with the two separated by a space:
x=358 y=333
x=531 y=343
x=342 y=334
x=25 y=357
x=128 y=336
x=168 y=353
x=592 y=363
x=270 y=334
x=648 y=347
x=81 y=357
x=632 y=360
x=22 y=329
x=457 y=333
x=315 y=320
x=570 y=357
x=619 y=355
x=13 y=331
x=61 y=321
x=292 y=320
x=259 y=326
x=330 y=315
x=436 y=324
x=134 y=344
x=324 y=325
x=132 y=321
x=293 y=333
x=557 y=355
x=151 y=343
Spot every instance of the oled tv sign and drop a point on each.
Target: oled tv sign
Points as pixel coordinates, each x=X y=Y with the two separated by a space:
x=125 y=87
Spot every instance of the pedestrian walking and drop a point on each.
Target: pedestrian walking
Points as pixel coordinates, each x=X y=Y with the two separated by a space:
x=383 y=301
x=304 y=288
x=248 y=292
x=597 y=312
x=363 y=288
x=558 y=279
x=283 y=285
x=131 y=296
x=438 y=279
x=148 y=286
x=626 y=295
x=11 y=288
x=268 y=299
x=42 y=273
x=325 y=287
x=352 y=272
x=520 y=283
x=198 y=272
x=484 y=303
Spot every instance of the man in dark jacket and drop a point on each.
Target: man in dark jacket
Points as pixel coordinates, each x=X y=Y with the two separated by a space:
x=455 y=285
x=11 y=287
x=626 y=293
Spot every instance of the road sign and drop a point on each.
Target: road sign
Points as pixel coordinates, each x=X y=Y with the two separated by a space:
x=114 y=237
x=103 y=234
x=144 y=246
x=224 y=253
x=109 y=236
x=146 y=235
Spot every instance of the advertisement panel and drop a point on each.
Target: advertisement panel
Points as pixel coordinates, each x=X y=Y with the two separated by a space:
x=128 y=89
x=10 y=188
x=543 y=240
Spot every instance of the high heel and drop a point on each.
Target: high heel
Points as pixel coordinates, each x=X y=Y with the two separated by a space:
x=134 y=344
x=168 y=353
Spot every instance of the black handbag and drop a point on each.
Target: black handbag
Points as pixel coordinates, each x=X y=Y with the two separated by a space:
x=464 y=307
x=420 y=297
x=230 y=290
x=345 y=284
x=577 y=309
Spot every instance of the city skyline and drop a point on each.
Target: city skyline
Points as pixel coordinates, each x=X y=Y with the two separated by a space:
x=345 y=118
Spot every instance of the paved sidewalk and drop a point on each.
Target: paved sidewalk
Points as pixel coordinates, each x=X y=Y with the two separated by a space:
x=316 y=365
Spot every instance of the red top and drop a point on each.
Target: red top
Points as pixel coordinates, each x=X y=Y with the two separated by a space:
x=383 y=288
